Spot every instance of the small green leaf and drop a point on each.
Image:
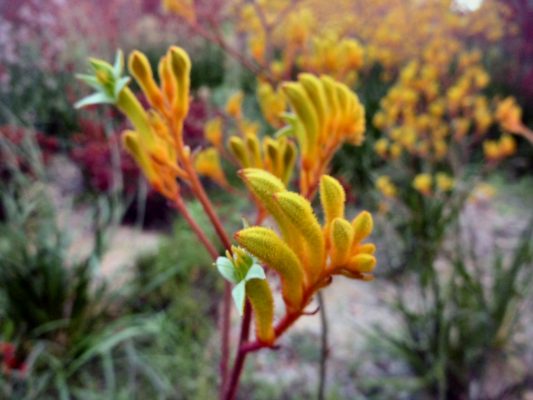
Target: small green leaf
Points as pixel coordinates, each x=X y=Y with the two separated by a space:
x=287 y=130
x=118 y=66
x=101 y=66
x=255 y=272
x=289 y=118
x=239 y=295
x=226 y=269
x=90 y=80
x=119 y=85
x=95 y=98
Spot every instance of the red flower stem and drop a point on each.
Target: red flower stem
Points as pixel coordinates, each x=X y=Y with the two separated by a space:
x=201 y=195
x=226 y=307
x=182 y=208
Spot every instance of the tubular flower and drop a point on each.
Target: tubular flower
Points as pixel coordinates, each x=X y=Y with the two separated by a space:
x=327 y=114
x=509 y=115
x=156 y=141
x=307 y=254
x=276 y=156
x=234 y=105
x=213 y=132
x=241 y=269
x=207 y=163
x=272 y=103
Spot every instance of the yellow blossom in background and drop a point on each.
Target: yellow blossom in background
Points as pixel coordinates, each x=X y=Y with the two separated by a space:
x=181 y=8
x=491 y=150
x=497 y=150
x=507 y=145
x=423 y=183
x=272 y=103
x=386 y=187
x=445 y=182
x=207 y=163
x=234 y=105
x=381 y=147
x=277 y=156
x=213 y=131
x=482 y=193
x=509 y=115
x=430 y=108
x=327 y=114
x=257 y=47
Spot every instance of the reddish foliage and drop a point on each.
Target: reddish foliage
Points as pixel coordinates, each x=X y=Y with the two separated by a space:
x=10 y=360
x=519 y=48
x=92 y=153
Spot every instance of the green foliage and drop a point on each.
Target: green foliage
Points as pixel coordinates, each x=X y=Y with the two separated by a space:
x=461 y=319
x=38 y=98
x=208 y=67
x=59 y=320
x=180 y=283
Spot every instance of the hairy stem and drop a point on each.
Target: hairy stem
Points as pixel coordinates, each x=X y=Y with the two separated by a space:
x=233 y=382
x=324 y=351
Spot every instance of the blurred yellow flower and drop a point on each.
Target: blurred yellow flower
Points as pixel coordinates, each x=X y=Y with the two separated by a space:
x=386 y=187
x=234 y=105
x=207 y=163
x=445 y=182
x=213 y=131
x=423 y=183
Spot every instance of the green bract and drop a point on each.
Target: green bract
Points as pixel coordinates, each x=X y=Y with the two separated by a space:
x=107 y=81
x=239 y=269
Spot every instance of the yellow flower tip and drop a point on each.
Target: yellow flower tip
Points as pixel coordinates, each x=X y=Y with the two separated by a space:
x=366 y=248
x=180 y=65
x=306 y=112
x=268 y=247
x=252 y=144
x=341 y=241
x=364 y=263
x=140 y=68
x=181 y=61
x=362 y=226
x=332 y=197
x=138 y=65
x=261 y=182
x=260 y=296
x=238 y=150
